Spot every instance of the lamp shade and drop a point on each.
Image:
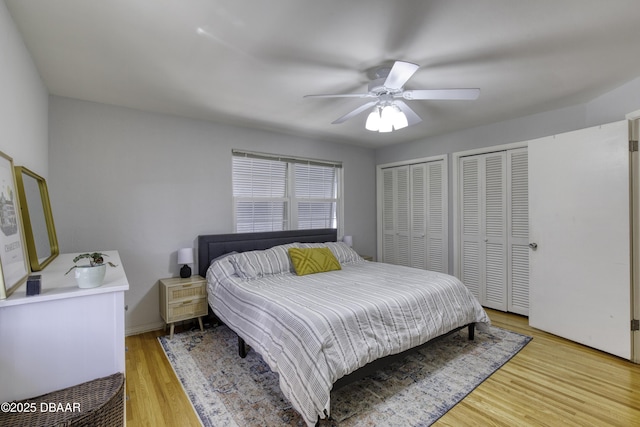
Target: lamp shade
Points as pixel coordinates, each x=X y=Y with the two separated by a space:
x=399 y=119
x=373 y=120
x=386 y=119
x=185 y=256
x=348 y=240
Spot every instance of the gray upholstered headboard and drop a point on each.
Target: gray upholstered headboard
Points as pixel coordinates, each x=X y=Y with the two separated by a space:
x=211 y=246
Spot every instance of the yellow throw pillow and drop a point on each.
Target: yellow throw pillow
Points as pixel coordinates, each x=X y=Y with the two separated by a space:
x=313 y=260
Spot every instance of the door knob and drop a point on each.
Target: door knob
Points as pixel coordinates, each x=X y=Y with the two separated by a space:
x=533 y=246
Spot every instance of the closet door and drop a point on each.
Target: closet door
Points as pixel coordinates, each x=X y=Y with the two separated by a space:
x=395 y=215
x=418 y=234
x=484 y=228
x=471 y=273
x=518 y=231
x=414 y=215
x=495 y=230
x=427 y=217
x=402 y=215
x=389 y=241
x=436 y=236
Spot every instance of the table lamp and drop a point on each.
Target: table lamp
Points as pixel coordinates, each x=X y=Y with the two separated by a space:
x=185 y=256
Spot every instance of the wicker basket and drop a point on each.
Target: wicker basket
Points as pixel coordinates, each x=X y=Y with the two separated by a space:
x=99 y=402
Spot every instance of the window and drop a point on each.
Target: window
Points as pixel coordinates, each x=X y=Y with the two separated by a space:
x=274 y=193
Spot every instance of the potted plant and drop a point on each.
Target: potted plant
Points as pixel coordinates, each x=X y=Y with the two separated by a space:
x=91 y=275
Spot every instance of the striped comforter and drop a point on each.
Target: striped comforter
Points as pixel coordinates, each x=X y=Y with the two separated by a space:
x=313 y=330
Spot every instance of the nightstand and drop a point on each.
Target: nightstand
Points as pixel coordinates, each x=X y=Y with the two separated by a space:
x=183 y=299
x=367 y=257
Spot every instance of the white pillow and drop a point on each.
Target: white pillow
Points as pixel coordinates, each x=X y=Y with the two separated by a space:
x=255 y=264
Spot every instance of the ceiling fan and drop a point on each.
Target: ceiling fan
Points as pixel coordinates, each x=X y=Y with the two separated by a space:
x=389 y=111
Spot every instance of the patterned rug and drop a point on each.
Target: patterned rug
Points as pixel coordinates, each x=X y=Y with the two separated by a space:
x=226 y=390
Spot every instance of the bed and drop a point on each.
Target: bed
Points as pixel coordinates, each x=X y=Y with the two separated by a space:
x=315 y=330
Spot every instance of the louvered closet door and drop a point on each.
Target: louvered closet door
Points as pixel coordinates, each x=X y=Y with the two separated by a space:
x=518 y=193
x=436 y=222
x=418 y=216
x=471 y=272
x=402 y=216
x=427 y=217
x=414 y=216
x=389 y=241
x=395 y=216
x=495 y=229
x=484 y=228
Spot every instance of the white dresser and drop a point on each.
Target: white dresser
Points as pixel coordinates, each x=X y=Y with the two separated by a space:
x=65 y=335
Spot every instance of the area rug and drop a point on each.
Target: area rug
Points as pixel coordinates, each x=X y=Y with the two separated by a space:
x=226 y=390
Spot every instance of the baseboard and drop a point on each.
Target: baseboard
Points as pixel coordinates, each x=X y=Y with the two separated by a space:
x=144 y=328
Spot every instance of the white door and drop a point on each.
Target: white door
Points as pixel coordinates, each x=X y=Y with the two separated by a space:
x=518 y=231
x=495 y=230
x=471 y=233
x=402 y=215
x=396 y=215
x=418 y=235
x=484 y=228
x=437 y=253
x=427 y=217
x=634 y=133
x=580 y=283
x=414 y=212
x=389 y=240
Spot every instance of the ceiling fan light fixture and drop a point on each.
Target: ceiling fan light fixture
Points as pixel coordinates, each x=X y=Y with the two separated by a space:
x=389 y=112
x=373 y=121
x=399 y=119
x=386 y=118
x=385 y=124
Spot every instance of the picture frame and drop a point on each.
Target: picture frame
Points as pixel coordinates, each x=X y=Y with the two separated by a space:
x=14 y=267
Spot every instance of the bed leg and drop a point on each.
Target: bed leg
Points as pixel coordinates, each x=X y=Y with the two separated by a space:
x=242 y=349
x=472 y=330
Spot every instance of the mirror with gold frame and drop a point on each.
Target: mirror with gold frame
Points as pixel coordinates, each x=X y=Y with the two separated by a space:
x=37 y=218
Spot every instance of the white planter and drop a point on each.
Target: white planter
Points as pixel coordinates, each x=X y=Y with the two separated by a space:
x=90 y=277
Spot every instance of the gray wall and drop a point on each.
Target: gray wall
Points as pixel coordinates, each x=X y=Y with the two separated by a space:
x=610 y=107
x=147 y=184
x=23 y=104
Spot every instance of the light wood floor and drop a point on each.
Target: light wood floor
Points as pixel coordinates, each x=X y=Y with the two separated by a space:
x=551 y=382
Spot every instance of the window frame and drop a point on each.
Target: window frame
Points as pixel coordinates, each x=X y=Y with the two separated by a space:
x=291 y=199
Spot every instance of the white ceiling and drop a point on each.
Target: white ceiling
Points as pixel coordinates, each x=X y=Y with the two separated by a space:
x=249 y=62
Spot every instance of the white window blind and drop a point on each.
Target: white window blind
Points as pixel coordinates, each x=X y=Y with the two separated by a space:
x=274 y=193
x=260 y=193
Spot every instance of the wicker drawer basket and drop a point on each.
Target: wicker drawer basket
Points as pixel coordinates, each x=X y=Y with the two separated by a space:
x=177 y=293
x=188 y=309
x=96 y=403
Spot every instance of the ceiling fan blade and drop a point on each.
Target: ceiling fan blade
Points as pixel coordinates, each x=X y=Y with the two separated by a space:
x=444 y=94
x=412 y=117
x=354 y=113
x=399 y=74
x=342 y=95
